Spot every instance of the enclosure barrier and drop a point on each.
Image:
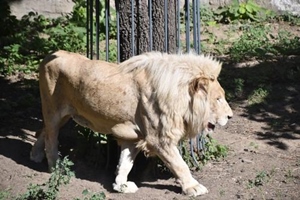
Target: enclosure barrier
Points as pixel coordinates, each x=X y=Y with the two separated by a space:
x=187 y=35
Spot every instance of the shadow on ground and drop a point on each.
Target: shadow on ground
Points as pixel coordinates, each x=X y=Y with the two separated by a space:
x=270 y=92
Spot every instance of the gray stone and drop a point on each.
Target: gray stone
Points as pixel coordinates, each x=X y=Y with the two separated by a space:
x=48 y=8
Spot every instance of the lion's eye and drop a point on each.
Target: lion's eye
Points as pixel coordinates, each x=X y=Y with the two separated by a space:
x=219 y=99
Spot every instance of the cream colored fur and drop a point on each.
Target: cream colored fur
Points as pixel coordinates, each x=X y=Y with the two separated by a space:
x=148 y=103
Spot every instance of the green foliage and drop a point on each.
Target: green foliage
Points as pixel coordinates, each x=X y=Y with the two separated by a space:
x=212 y=151
x=4 y=194
x=260 y=179
x=60 y=176
x=247 y=10
x=186 y=154
x=293 y=20
x=24 y=42
x=287 y=43
x=264 y=44
x=33 y=37
x=258 y=96
x=208 y=16
x=92 y=196
x=239 y=86
x=78 y=16
x=246 y=47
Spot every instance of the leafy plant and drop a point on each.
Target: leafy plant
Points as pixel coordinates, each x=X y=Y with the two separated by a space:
x=213 y=150
x=61 y=175
x=246 y=47
x=34 y=36
x=92 y=196
x=258 y=96
x=208 y=16
x=293 y=20
x=4 y=194
x=247 y=10
x=287 y=43
x=261 y=178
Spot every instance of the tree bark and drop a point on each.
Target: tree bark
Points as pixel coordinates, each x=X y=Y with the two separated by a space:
x=159 y=34
x=141 y=27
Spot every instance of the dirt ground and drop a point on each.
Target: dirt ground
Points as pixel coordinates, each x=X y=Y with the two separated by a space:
x=264 y=143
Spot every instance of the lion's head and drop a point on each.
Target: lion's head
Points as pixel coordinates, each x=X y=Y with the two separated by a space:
x=220 y=110
x=209 y=103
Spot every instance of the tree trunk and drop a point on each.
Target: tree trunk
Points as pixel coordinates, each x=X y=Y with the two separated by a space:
x=159 y=34
x=141 y=27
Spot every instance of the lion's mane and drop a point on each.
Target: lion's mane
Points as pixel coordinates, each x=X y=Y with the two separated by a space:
x=169 y=76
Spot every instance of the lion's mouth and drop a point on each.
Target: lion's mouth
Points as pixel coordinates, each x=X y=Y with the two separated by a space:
x=210 y=126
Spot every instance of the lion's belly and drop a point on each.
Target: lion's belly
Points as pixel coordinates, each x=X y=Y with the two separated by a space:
x=102 y=126
x=124 y=129
x=101 y=109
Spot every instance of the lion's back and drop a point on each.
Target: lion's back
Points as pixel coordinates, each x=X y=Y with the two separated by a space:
x=61 y=59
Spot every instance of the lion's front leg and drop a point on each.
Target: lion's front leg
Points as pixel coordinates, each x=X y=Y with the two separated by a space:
x=128 y=154
x=172 y=158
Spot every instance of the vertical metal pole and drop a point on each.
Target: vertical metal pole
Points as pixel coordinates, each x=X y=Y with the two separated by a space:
x=166 y=26
x=91 y=28
x=97 y=29
x=193 y=153
x=132 y=28
x=187 y=25
x=107 y=19
x=178 y=26
x=87 y=28
x=150 y=24
x=198 y=26
x=194 y=25
x=118 y=31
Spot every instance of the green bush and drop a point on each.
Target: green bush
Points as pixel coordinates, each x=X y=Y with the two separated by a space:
x=247 y=10
x=212 y=150
x=34 y=37
x=258 y=41
x=26 y=41
x=60 y=176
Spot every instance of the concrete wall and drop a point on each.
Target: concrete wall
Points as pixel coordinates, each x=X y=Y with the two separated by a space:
x=49 y=8
x=54 y=8
x=292 y=6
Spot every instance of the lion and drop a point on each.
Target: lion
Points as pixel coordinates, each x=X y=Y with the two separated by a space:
x=148 y=103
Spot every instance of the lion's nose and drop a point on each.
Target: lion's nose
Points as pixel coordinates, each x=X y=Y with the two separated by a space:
x=229 y=116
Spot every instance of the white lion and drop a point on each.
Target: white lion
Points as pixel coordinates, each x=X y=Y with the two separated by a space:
x=149 y=103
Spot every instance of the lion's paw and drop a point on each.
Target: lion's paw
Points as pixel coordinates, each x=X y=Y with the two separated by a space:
x=128 y=187
x=196 y=190
x=37 y=157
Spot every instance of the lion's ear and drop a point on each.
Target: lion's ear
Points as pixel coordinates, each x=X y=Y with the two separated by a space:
x=199 y=84
x=212 y=78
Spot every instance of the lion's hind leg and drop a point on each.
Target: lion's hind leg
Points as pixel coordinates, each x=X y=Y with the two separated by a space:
x=48 y=139
x=128 y=154
x=37 y=153
x=51 y=138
